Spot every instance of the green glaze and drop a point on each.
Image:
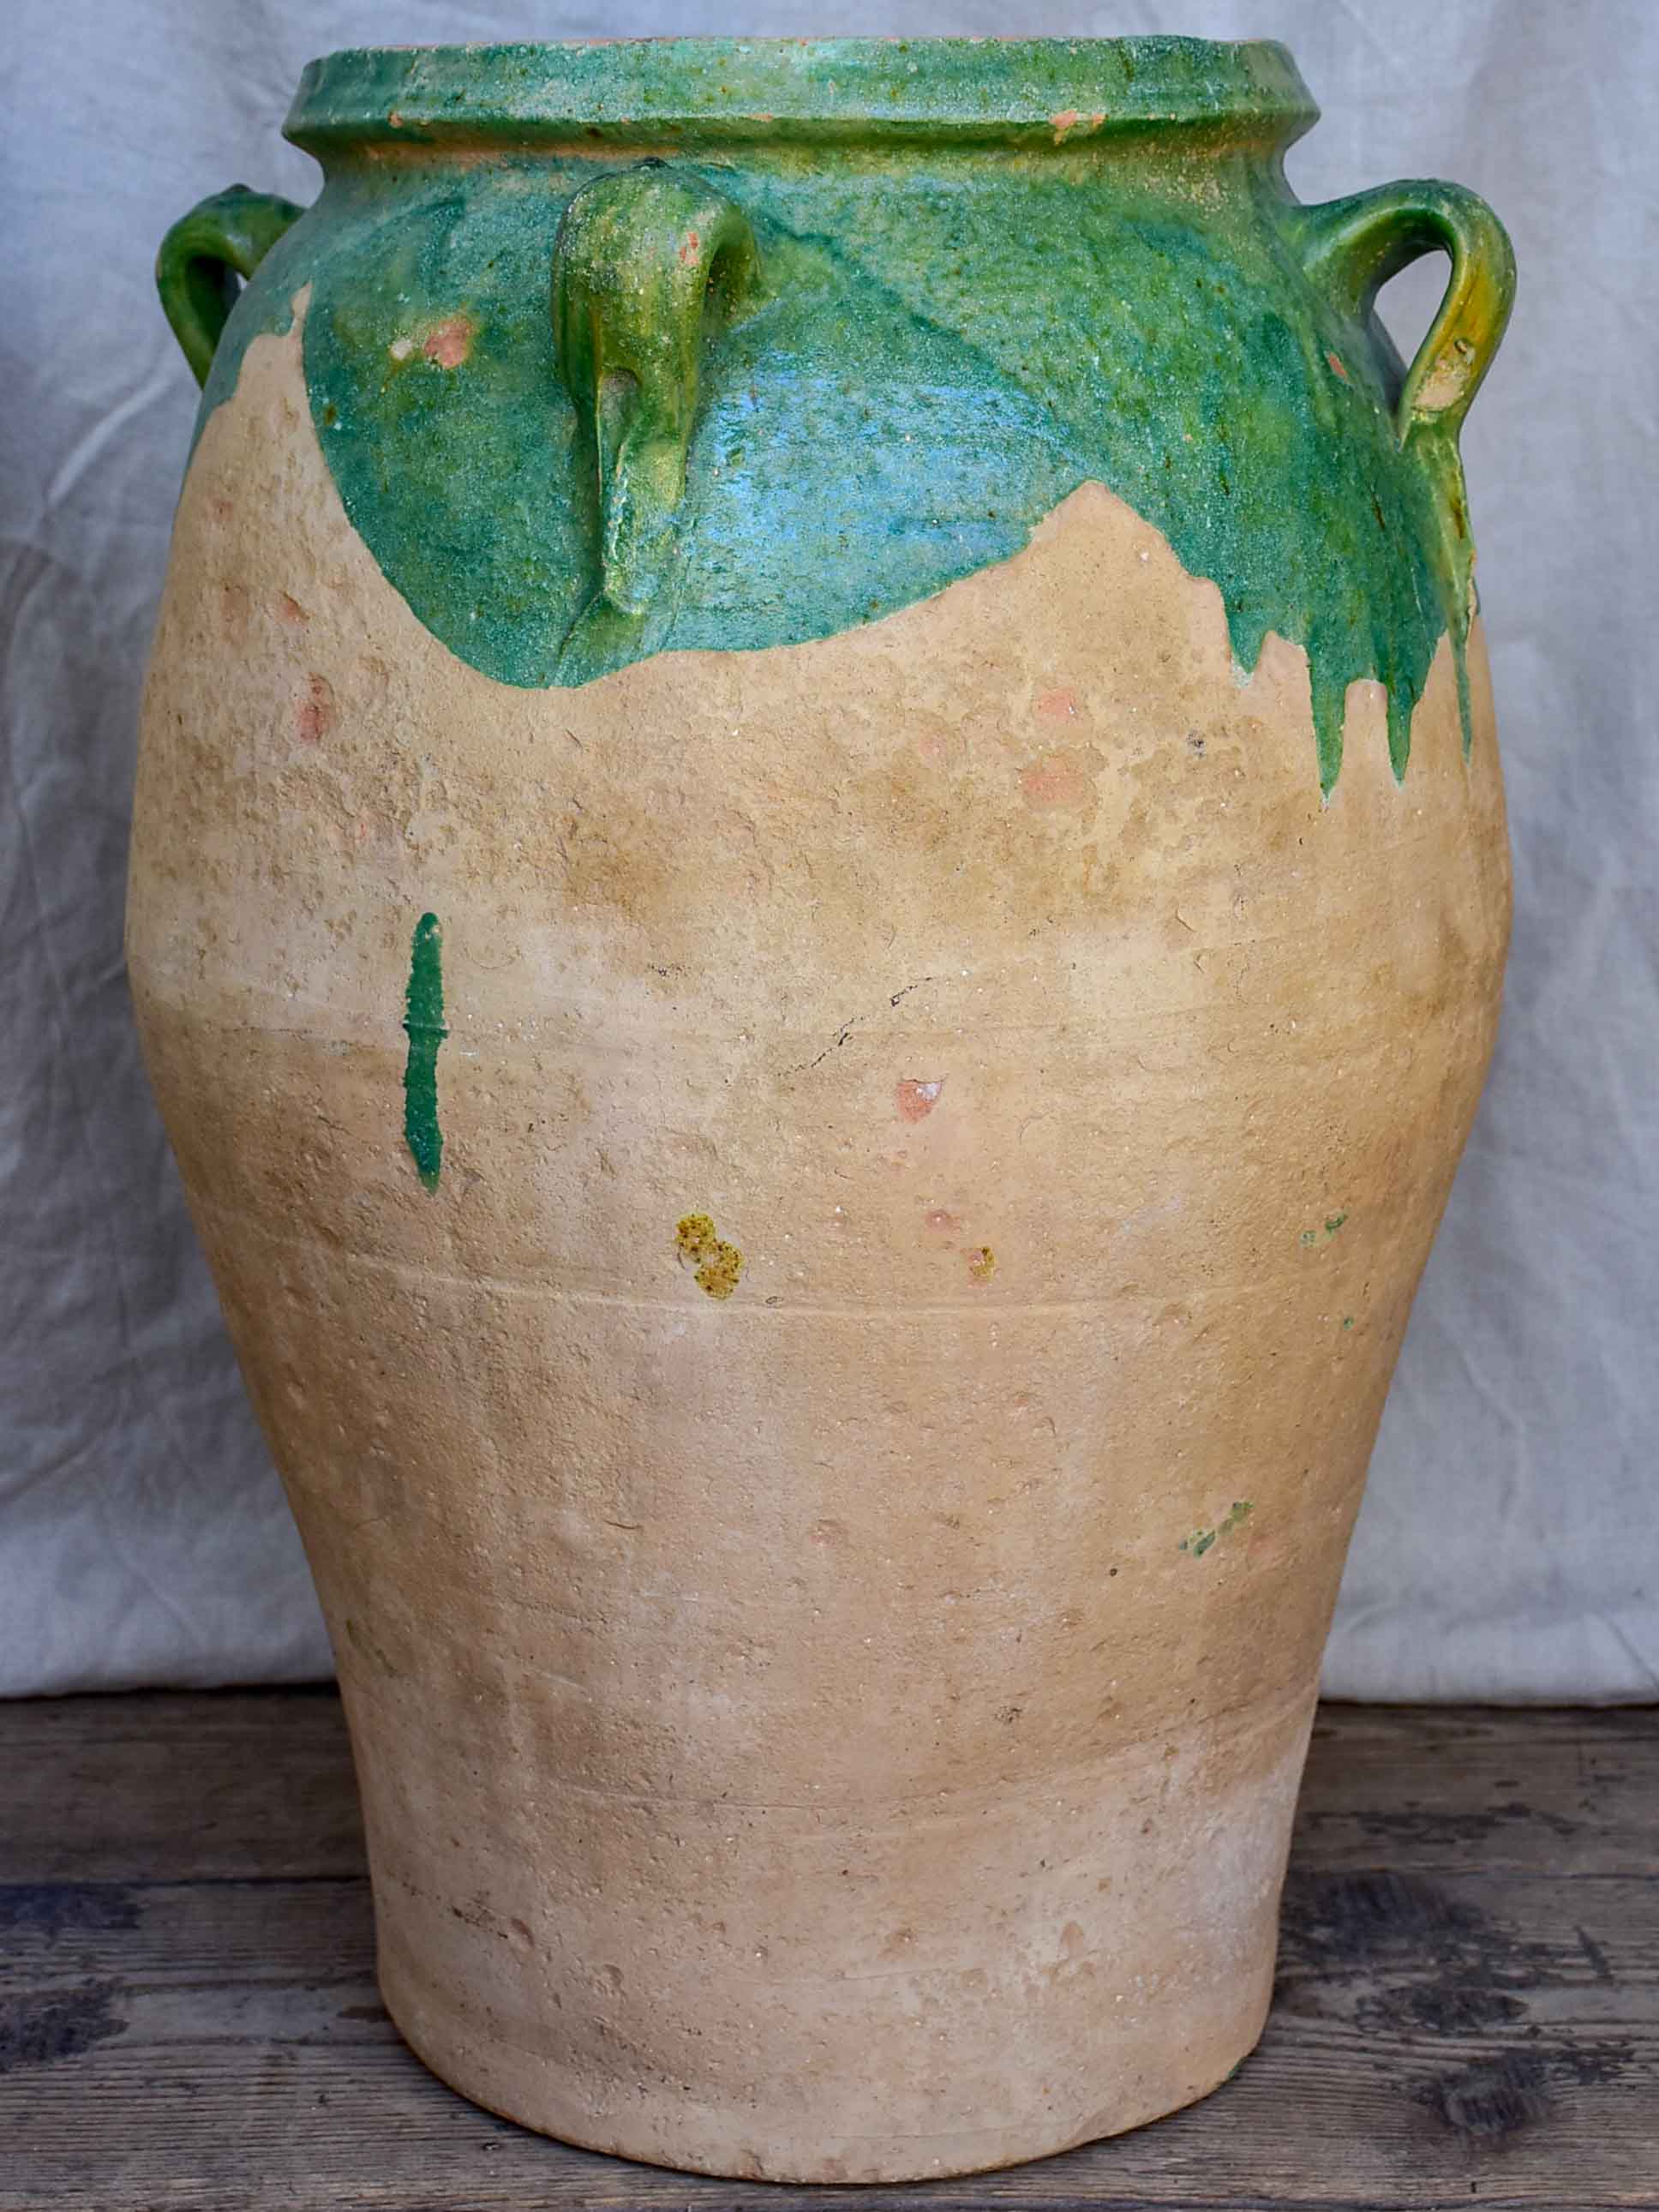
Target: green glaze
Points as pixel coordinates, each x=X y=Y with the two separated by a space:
x=202 y=258
x=640 y=259
x=426 y=1030
x=793 y=91
x=936 y=286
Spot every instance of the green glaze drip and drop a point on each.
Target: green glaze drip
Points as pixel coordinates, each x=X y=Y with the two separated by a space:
x=425 y=1027
x=991 y=272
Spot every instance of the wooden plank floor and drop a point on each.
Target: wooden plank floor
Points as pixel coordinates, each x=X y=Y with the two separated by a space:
x=1468 y=2008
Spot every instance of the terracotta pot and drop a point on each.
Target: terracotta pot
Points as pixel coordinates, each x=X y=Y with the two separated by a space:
x=818 y=904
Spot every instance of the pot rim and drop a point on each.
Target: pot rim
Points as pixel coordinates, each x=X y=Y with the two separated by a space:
x=983 y=91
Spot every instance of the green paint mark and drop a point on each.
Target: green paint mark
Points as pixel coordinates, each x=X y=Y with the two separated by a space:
x=424 y=1026
x=1347 y=1321
x=716 y=1265
x=1309 y=1237
x=1200 y=1541
x=995 y=272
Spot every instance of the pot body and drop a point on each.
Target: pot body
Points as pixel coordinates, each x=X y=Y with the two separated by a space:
x=817 y=1178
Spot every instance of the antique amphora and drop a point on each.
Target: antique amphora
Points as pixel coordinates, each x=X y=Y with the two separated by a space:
x=817 y=904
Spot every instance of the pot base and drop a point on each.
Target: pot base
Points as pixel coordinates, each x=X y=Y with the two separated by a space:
x=702 y=2139
x=1089 y=1951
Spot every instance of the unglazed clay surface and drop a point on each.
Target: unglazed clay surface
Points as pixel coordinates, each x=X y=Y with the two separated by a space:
x=820 y=1234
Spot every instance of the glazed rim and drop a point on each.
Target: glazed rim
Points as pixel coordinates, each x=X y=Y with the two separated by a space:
x=978 y=91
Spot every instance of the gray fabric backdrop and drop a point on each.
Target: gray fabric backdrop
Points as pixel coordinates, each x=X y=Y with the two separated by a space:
x=1507 y=1548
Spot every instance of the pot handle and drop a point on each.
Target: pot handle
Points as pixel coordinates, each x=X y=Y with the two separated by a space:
x=203 y=255
x=1351 y=247
x=644 y=260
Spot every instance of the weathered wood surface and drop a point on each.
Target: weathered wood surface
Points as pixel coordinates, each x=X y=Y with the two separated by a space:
x=1468 y=2012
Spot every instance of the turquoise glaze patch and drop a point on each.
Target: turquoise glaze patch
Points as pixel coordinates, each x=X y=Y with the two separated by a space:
x=960 y=305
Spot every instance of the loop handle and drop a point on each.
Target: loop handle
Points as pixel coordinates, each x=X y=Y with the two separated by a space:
x=1351 y=248
x=201 y=257
x=644 y=260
